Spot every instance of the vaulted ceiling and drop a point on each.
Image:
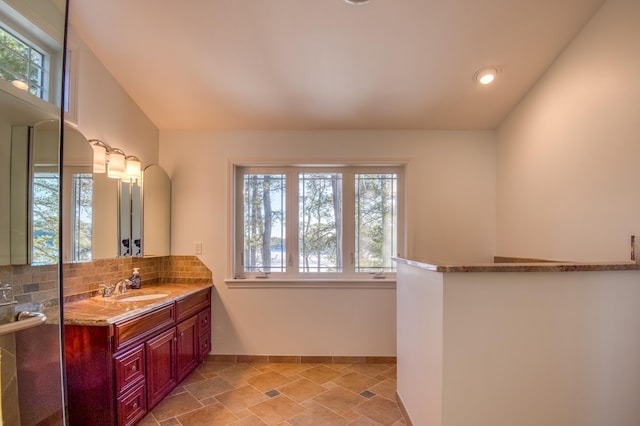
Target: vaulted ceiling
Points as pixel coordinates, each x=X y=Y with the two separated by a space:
x=326 y=64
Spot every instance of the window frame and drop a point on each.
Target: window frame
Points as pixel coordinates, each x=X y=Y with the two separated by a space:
x=291 y=170
x=37 y=33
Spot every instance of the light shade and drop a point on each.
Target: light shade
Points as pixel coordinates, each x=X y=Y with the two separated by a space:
x=486 y=75
x=134 y=169
x=116 y=166
x=99 y=156
x=20 y=84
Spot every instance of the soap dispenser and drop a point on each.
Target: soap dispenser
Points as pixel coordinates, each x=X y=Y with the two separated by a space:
x=136 y=279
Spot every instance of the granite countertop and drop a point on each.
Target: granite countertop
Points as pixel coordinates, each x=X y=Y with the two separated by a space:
x=527 y=266
x=104 y=311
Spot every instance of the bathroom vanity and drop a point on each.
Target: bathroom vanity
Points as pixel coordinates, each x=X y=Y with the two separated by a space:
x=125 y=353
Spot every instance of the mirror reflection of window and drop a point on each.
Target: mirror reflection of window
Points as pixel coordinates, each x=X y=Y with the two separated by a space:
x=81 y=217
x=45 y=217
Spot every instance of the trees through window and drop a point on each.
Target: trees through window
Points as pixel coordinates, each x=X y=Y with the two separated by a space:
x=308 y=221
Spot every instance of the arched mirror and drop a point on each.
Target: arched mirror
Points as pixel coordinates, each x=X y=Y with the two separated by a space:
x=90 y=202
x=157 y=211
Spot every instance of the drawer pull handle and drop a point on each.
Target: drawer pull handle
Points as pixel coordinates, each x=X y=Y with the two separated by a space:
x=135 y=405
x=134 y=368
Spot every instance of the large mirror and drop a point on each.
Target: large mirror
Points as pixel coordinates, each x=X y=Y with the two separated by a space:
x=28 y=184
x=30 y=93
x=101 y=215
x=156 y=212
x=90 y=204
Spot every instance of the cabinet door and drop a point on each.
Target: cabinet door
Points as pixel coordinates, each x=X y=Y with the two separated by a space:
x=188 y=348
x=161 y=366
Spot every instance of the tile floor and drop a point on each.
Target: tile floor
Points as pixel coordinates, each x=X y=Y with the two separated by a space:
x=282 y=395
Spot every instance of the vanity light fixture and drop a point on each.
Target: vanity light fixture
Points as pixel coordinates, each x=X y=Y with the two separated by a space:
x=486 y=75
x=116 y=167
x=100 y=152
x=357 y=2
x=134 y=168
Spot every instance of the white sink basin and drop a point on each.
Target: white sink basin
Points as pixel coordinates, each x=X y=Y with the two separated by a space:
x=140 y=297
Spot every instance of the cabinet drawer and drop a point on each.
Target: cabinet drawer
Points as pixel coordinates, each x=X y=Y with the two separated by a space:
x=129 y=369
x=192 y=304
x=204 y=320
x=132 y=406
x=138 y=328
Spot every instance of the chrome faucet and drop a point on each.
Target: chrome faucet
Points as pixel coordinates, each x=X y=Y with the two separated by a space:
x=106 y=290
x=122 y=285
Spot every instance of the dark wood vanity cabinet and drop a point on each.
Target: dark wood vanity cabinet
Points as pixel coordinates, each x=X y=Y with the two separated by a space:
x=116 y=374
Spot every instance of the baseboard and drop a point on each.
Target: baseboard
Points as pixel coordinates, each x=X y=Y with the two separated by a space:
x=403 y=410
x=301 y=359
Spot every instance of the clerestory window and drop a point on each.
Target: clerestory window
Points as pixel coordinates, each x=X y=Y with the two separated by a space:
x=312 y=221
x=23 y=63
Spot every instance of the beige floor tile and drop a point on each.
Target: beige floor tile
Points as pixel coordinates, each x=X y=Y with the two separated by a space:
x=249 y=421
x=318 y=415
x=276 y=409
x=364 y=421
x=386 y=388
x=302 y=389
x=211 y=369
x=380 y=409
x=208 y=388
x=267 y=381
x=149 y=420
x=320 y=374
x=339 y=400
x=289 y=370
x=214 y=414
x=173 y=406
x=193 y=378
x=391 y=374
x=238 y=372
x=372 y=370
x=356 y=382
x=240 y=399
x=312 y=394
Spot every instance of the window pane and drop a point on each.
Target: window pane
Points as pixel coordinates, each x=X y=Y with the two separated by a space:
x=376 y=221
x=22 y=61
x=82 y=217
x=264 y=223
x=320 y=222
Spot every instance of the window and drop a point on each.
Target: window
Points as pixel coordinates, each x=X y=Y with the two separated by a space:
x=23 y=64
x=310 y=221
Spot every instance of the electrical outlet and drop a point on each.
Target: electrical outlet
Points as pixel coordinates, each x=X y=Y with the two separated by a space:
x=197 y=247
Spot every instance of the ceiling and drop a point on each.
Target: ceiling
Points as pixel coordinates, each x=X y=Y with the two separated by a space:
x=326 y=64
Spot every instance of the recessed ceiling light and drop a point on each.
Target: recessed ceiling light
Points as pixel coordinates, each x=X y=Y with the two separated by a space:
x=357 y=1
x=486 y=75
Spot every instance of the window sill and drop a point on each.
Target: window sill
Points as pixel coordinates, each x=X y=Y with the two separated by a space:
x=344 y=283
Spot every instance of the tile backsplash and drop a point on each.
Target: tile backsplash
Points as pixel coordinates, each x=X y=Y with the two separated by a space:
x=39 y=284
x=83 y=279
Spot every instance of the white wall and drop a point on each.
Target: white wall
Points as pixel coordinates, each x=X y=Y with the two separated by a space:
x=106 y=112
x=451 y=216
x=568 y=157
x=525 y=349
